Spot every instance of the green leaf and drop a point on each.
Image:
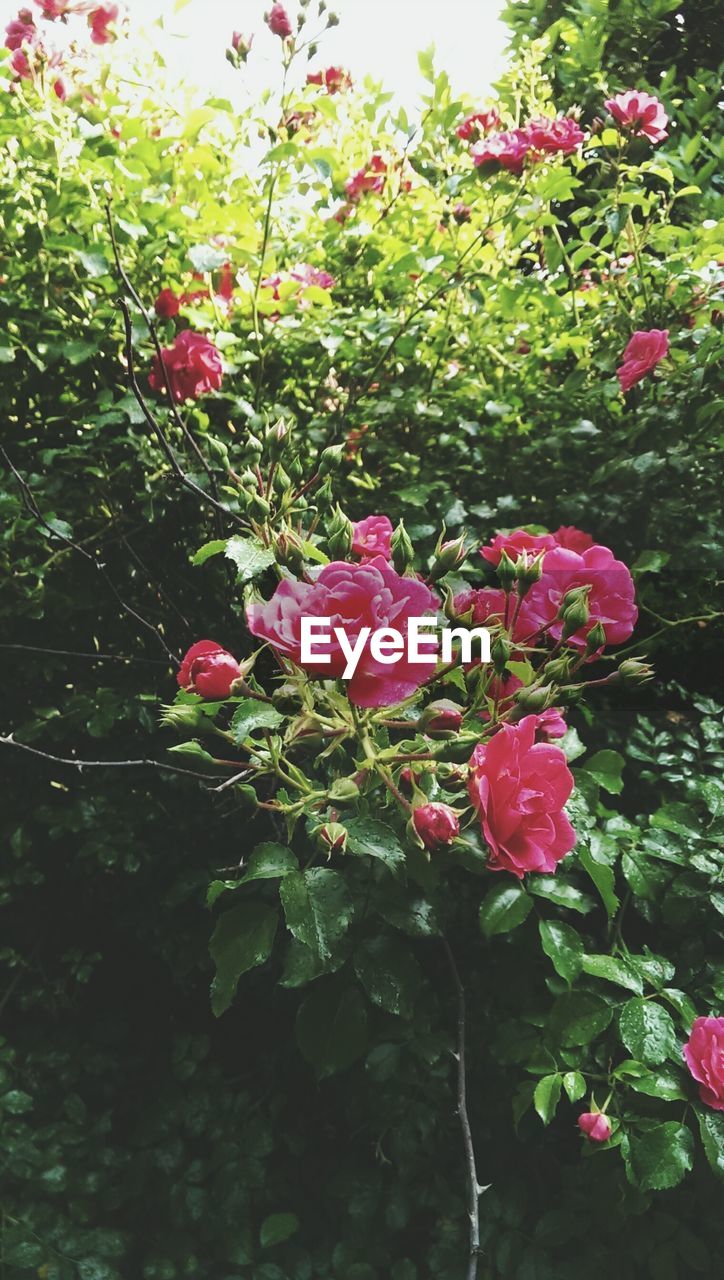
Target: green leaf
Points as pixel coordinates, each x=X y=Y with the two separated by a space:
x=277 y=1228
x=647 y=1030
x=560 y=892
x=192 y=748
x=269 y=861
x=660 y=1158
x=250 y=556
x=665 y=1083
x=94 y=263
x=564 y=946
x=606 y=767
x=251 y=715
x=389 y=974
x=209 y=549
x=577 y=1018
x=603 y=878
x=368 y=836
x=332 y=1027
x=613 y=970
x=574 y=1084
x=505 y=906
x=546 y=1097
x=711 y=1128
x=317 y=907
x=242 y=939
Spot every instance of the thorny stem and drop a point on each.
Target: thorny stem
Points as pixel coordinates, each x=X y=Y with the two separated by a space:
x=474 y=1188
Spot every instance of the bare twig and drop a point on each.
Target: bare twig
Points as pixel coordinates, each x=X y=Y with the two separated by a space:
x=91 y=657
x=474 y=1188
x=80 y=765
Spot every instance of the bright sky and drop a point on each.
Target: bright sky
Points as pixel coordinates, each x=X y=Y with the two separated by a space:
x=377 y=37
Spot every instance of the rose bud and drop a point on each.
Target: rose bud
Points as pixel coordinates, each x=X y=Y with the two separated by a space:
x=634 y=671
x=528 y=572
x=441 y=716
x=341 y=535
x=501 y=652
x=278 y=21
x=277 y=437
x=450 y=775
x=183 y=717
x=536 y=698
x=595 y=1125
x=448 y=555
x=461 y=213
x=240 y=49
x=333 y=837
x=574 y=611
x=595 y=640
x=506 y=570
x=408 y=778
x=343 y=791
x=208 y=670
x=435 y=825
x=403 y=552
x=330 y=459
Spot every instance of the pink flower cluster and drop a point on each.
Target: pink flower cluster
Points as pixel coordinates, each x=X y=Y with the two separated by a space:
x=303 y=275
x=511 y=148
x=333 y=79
x=370 y=177
x=25 y=41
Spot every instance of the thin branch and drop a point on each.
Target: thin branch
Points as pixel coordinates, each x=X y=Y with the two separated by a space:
x=474 y=1188
x=80 y=765
x=92 y=657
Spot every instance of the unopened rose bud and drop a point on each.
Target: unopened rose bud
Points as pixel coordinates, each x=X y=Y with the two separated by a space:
x=288 y=550
x=340 y=536
x=259 y=508
x=450 y=775
x=595 y=639
x=528 y=572
x=500 y=651
x=595 y=1125
x=506 y=571
x=448 y=555
x=403 y=552
x=441 y=717
x=240 y=49
x=461 y=213
x=343 y=791
x=295 y=467
x=408 y=778
x=286 y=698
x=281 y=481
x=333 y=837
x=330 y=459
x=538 y=698
x=324 y=495
x=332 y=20
x=182 y=717
x=635 y=671
x=249 y=479
x=253 y=448
x=560 y=669
x=574 y=611
x=277 y=438
x=434 y=825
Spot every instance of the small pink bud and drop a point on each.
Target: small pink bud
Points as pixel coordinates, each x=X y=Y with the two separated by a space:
x=595 y=1125
x=436 y=825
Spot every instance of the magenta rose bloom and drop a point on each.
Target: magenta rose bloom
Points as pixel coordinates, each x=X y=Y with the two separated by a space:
x=167 y=305
x=646 y=348
x=519 y=787
x=508 y=149
x=610 y=599
x=333 y=79
x=436 y=824
x=477 y=125
x=307 y=275
x=22 y=30
x=193 y=365
x=550 y=725
x=352 y=596
x=371 y=537
x=279 y=22
x=571 y=538
x=549 y=136
x=704 y=1056
x=515 y=543
x=595 y=1125
x=487 y=606
x=209 y=670
x=101 y=22
x=371 y=177
x=640 y=113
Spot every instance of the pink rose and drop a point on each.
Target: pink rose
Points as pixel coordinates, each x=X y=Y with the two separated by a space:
x=101 y=22
x=704 y=1056
x=307 y=275
x=20 y=64
x=353 y=596
x=279 y=22
x=371 y=537
x=436 y=824
x=477 y=125
x=193 y=365
x=549 y=136
x=639 y=112
x=507 y=149
x=515 y=543
x=209 y=670
x=610 y=599
x=550 y=725
x=571 y=538
x=371 y=177
x=333 y=79
x=60 y=89
x=166 y=305
x=595 y=1125
x=519 y=787
x=487 y=605
x=22 y=30
x=644 y=351
x=241 y=45
x=52 y=9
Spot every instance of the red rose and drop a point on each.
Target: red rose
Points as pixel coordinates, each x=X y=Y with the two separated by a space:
x=595 y=1125
x=279 y=22
x=22 y=30
x=371 y=537
x=639 y=112
x=515 y=543
x=353 y=596
x=193 y=366
x=333 y=79
x=519 y=787
x=167 y=305
x=371 y=177
x=507 y=149
x=225 y=288
x=209 y=670
x=101 y=22
x=478 y=124
x=610 y=598
x=644 y=351
x=549 y=136
x=436 y=824
x=704 y=1056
